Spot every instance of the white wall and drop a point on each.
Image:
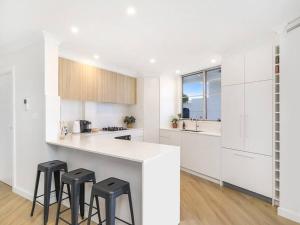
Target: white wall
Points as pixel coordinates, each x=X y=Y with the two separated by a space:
x=290 y=123
x=100 y=114
x=151 y=109
x=168 y=99
x=31 y=148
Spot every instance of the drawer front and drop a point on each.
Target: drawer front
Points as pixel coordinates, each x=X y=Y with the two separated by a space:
x=247 y=170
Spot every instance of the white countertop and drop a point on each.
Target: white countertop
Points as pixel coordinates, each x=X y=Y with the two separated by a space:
x=210 y=133
x=120 y=132
x=129 y=150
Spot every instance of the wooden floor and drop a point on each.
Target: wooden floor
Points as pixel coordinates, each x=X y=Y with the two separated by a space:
x=202 y=203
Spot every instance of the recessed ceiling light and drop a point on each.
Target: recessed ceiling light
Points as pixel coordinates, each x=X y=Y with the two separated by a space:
x=152 y=61
x=213 y=61
x=131 y=11
x=96 y=56
x=74 y=29
x=178 y=72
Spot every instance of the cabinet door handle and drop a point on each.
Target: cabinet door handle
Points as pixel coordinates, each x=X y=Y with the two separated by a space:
x=246 y=126
x=241 y=126
x=244 y=156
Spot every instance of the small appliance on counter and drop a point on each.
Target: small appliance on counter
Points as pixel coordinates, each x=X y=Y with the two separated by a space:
x=85 y=126
x=76 y=127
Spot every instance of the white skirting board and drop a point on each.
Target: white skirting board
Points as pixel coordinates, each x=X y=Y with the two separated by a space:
x=202 y=176
x=289 y=214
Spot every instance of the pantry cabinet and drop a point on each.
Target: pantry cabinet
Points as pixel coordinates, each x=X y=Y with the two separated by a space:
x=233 y=116
x=233 y=67
x=258 y=117
x=87 y=83
x=258 y=63
x=247 y=115
x=248 y=170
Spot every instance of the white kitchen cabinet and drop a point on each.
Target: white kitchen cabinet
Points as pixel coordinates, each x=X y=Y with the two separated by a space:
x=201 y=154
x=233 y=116
x=170 y=137
x=258 y=63
x=247 y=170
x=233 y=69
x=258 y=117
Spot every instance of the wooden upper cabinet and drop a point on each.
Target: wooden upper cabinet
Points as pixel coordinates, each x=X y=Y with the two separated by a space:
x=87 y=83
x=70 y=79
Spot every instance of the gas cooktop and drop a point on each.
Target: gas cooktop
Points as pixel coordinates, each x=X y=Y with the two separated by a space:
x=113 y=128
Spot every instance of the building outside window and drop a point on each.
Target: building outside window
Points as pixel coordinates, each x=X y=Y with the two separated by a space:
x=201 y=95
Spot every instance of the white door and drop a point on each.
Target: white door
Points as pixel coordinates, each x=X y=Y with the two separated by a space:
x=233 y=117
x=233 y=69
x=259 y=63
x=258 y=117
x=6 y=128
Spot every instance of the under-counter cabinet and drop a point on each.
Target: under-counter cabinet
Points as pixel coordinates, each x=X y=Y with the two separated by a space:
x=170 y=137
x=200 y=153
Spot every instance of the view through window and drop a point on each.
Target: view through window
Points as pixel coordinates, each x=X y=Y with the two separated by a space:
x=201 y=95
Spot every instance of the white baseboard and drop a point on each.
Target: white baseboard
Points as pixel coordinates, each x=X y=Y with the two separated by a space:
x=22 y=193
x=201 y=175
x=27 y=195
x=289 y=214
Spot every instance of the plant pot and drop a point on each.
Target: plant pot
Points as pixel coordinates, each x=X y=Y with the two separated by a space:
x=174 y=125
x=129 y=125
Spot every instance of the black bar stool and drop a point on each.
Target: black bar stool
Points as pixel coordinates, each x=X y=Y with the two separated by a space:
x=110 y=189
x=76 y=179
x=48 y=168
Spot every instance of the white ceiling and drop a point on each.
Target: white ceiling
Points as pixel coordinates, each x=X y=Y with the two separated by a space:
x=179 y=34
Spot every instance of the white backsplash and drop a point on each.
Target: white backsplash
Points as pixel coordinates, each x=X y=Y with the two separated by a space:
x=207 y=126
x=100 y=114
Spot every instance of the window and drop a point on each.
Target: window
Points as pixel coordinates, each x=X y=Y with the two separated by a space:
x=201 y=95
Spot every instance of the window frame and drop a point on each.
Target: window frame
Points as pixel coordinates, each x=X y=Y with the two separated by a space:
x=204 y=71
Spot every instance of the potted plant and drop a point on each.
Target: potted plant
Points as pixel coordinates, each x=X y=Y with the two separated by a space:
x=174 y=122
x=129 y=121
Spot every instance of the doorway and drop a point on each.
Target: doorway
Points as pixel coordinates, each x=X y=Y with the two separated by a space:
x=6 y=127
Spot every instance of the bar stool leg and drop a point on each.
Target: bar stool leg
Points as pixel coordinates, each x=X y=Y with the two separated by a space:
x=110 y=205
x=59 y=203
x=35 y=191
x=82 y=199
x=47 y=190
x=131 y=207
x=91 y=208
x=69 y=193
x=68 y=186
x=74 y=204
x=98 y=210
x=57 y=183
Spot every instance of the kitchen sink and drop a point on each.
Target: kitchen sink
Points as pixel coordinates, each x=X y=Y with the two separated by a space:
x=196 y=131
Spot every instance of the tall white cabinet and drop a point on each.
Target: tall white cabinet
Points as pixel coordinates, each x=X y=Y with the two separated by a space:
x=247 y=106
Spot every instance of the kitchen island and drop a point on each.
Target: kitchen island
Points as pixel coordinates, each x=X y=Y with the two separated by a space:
x=153 y=171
